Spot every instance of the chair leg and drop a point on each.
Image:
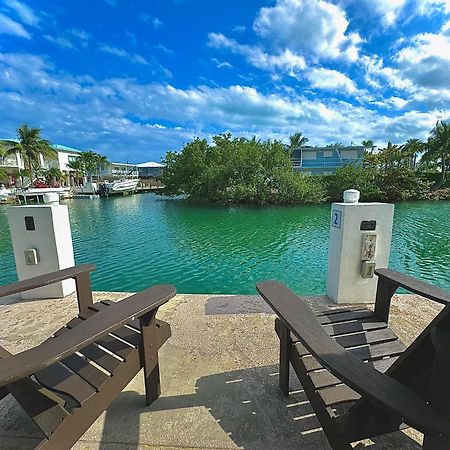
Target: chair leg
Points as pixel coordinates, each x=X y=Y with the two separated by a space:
x=285 y=350
x=439 y=386
x=149 y=357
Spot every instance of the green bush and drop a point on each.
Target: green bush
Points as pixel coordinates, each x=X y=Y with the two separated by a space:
x=403 y=184
x=238 y=170
x=353 y=177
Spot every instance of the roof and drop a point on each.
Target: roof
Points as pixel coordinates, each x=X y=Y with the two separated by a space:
x=122 y=164
x=59 y=147
x=346 y=147
x=150 y=164
x=65 y=148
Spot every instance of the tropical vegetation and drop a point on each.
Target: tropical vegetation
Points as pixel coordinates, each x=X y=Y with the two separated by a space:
x=240 y=170
x=31 y=145
x=88 y=164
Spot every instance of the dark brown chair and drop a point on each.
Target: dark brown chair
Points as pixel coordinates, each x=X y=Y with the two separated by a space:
x=359 y=378
x=65 y=383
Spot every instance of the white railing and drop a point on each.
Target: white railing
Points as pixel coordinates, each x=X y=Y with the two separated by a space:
x=9 y=161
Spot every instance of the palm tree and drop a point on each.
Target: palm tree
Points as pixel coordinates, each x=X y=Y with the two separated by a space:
x=22 y=174
x=102 y=162
x=335 y=145
x=437 y=149
x=52 y=176
x=31 y=146
x=411 y=150
x=367 y=143
x=77 y=166
x=297 y=140
x=89 y=161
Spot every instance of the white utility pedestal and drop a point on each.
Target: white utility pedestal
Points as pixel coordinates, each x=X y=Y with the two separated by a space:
x=42 y=243
x=360 y=241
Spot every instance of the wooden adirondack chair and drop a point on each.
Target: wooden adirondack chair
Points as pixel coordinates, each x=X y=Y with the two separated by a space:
x=358 y=377
x=64 y=392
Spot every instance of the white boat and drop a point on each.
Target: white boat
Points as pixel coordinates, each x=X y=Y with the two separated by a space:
x=5 y=194
x=118 y=187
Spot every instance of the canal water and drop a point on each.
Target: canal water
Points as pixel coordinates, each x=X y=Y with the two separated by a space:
x=140 y=240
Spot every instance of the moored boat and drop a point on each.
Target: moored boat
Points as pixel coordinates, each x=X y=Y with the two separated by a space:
x=118 y=187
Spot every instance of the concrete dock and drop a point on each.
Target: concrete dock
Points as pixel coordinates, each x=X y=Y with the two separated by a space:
x=218 y=378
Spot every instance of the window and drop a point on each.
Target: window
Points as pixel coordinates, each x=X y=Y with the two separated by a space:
x=328 y=153
x=349 y=154
x=309 y=155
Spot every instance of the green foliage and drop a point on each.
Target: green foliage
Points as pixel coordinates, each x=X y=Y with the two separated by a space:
x=297 y=140
x=31 y=145
x=88 y=163
x=238 y=170
x=3 y=174
x=437 y=150
x=353 y=177
x=392 y=184
x=403 y=184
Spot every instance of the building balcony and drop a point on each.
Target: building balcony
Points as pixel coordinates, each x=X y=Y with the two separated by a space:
x=9 y=161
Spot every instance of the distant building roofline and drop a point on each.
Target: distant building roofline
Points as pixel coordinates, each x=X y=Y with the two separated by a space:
x=150 y=164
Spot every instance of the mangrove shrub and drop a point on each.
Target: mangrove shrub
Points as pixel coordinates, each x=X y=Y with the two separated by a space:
x=238 y=170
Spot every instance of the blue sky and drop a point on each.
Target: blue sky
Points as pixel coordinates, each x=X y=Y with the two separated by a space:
x=133 y=79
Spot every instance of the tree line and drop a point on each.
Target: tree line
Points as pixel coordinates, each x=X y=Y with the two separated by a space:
x=239 y=170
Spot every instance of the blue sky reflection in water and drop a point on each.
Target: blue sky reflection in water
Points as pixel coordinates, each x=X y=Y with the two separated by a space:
x=144 y=239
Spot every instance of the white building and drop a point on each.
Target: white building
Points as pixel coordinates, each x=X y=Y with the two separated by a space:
x=13 y=162
x=150 y=169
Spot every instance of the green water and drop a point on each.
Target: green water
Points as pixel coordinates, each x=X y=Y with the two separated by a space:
x=141 y=240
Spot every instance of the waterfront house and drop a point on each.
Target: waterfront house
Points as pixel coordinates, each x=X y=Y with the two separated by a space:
x=12 y=162
x=149 y=169
x=116 y=170
x=325 y=160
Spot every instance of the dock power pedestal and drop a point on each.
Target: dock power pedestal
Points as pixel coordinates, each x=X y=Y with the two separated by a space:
x=42 y=243
x=360 y=242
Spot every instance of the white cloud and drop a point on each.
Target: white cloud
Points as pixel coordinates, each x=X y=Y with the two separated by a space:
x=333 y=80
x=82 y=35
x=25 y=13
x=313 y=27
x=222 y=64
x=427 y=7
x=164 y=49
x=425 y=60
x=239 y=28
x=157 y=23
x=123 y=54
x=378 y=75
x=59 y=41
x=388 y=10
x=89 y=113
x=285 y=61
x=9 y=26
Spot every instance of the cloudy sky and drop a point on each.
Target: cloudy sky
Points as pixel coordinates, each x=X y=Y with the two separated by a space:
x=133 y=79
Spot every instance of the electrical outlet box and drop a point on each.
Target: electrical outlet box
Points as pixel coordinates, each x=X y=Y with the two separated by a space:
x=368 y=269
x=31 y=257
x=369 y=246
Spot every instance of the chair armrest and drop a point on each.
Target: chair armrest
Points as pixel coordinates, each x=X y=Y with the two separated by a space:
x=45 y=280
x=414 y=285
x=23 y=364
x=381 y=390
